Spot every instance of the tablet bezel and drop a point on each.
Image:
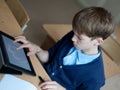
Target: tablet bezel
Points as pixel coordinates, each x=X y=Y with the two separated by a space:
x=6 y=59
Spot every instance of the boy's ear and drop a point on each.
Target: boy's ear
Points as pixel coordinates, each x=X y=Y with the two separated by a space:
x=99 y=41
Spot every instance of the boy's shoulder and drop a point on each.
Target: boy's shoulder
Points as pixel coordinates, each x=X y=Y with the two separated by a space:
x=69 y=34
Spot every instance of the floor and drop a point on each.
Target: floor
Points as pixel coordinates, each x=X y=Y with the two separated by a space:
x=53 y=12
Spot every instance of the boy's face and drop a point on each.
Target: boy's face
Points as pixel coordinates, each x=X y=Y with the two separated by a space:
x=83 y=42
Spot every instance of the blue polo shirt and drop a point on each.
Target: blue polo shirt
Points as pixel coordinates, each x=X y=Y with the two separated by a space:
x=75 y=57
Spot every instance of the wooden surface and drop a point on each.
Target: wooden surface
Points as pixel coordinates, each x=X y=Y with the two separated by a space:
x=117 y=34
x=112 y=48
x=8 y=24
x=57 y=31
x=18 y=11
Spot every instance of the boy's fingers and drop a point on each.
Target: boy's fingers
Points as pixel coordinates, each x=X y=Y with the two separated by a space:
x=30 y=53
x=20 y=39
x=23 y=46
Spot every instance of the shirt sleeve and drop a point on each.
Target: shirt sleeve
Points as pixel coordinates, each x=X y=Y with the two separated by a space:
x=53 y=50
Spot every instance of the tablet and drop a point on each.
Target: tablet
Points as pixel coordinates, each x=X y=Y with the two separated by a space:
x=16 y=59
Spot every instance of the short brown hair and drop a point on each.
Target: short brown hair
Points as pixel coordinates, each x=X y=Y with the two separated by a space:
x=94 y=22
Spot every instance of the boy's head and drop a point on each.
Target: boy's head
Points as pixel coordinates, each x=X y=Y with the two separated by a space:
x=93 y=22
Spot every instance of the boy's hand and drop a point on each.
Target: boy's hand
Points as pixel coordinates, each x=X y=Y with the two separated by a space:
x=51 y=85
x=33 y=48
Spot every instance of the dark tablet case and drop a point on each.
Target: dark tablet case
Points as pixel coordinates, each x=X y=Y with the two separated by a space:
x=11 y=60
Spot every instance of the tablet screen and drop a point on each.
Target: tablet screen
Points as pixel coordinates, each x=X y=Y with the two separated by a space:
x=16 y=57
x=12 y=57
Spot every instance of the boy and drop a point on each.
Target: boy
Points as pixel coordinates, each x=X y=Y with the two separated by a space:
x=75 y=62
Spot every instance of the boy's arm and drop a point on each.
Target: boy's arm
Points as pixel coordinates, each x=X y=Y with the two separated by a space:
x=43 y=55
x=53 y=50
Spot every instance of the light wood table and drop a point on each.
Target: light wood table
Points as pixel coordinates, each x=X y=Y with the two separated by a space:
x=8 y=22
x=117 y=34
x=57 y=31
x=9 y=25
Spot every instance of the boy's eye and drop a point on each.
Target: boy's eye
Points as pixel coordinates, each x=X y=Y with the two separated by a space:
x=80 y=38
x=77 y=35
